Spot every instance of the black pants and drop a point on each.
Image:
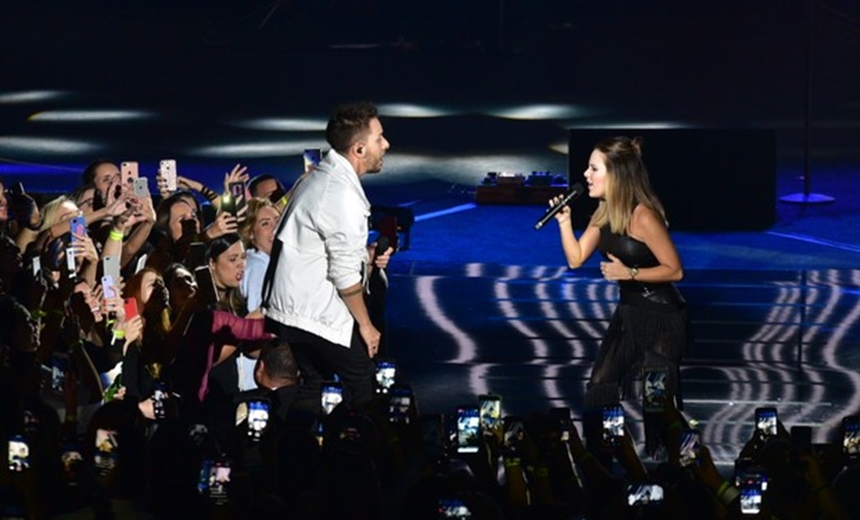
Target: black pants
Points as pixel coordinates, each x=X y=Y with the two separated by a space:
x=319 y=360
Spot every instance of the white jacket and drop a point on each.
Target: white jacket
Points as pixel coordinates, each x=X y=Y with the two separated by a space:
x=324 y=241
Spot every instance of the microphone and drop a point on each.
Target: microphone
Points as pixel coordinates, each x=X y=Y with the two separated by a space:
x=574 y=192
x=382 y=244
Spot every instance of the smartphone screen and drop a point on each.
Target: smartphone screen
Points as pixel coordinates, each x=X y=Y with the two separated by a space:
x=399 y=402
x=36 y=265
x=851 y=436
x=331 y=395
x=561 y=418
x=453 y=508
x=386 y=372
x=654 y=391
x=688 y=447
x=71 y=263
x=69 y=456
x=311 y=158
x=206 y=284
x=167 y=169
x=644 y=494
x=468 y=429
x=219 y=481
x=159 y=400
x=18 y=451
x=107 y=444
x=258 y=417
x=613 y=424
x=766 y=421
x=514 y=432
x=751 y=492
x=59 y=369
x=490 y=406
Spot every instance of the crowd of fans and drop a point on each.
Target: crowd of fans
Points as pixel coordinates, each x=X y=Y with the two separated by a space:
x=138 y=382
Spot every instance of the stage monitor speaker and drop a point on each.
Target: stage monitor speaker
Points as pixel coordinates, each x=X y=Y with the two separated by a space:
x=708 y=179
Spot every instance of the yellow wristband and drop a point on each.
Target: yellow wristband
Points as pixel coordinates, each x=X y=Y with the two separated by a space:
x=722 y=489
x=116 y=236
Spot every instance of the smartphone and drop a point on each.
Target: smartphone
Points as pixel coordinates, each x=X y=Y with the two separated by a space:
x=189 y=227
x=140 y=187
x=128 y=171
x=561 y=418
x=433 y=436
x=218 y=481
x=258 y=417
x=801 y=439
x=141 y=263
x=18 y=189
x=644 y=494
x=77 y=226
x=851 y=437
x=18 y=453
x=514 y=432
x=206 y=284
x=167 y=169
x=490 y=414
x=36 y=266
x=311 y=158
x=453 y=508
x=612 y=424
x=159 y=401
x=751 y=492
x=468 y=429
x=237 y=191
x=654 y=389
x=399 y=403
x=69 y=456
x=71 y=264
x=386 y=372
x=228 y=204
x=59 y=369
x=111 y=266
x=106 y=452
x=276 y=196
x=130 y=307
x=331 y=395
x=688 y=447
x=196 y=254
x=108 y=286
x=765 y=421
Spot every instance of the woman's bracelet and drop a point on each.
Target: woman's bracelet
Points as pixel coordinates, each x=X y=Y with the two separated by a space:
x=116 y=236
x=727 y=493
x=208 y=193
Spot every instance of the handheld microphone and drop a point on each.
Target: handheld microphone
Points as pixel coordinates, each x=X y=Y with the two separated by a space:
x=574 y=192
x=382 y=244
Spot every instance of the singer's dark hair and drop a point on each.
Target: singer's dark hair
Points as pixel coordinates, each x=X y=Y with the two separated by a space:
x=348 y=124
x=627 y=184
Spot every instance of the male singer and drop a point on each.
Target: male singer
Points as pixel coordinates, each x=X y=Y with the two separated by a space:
x=314 y=289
